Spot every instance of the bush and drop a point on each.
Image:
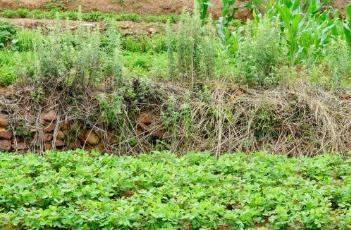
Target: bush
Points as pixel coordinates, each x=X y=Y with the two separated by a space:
x=8 y=73
x=24 y=40
x=80 y=190
x=260 y=54
x=195 y=50
x=338 y=61
x=74 y=63
x=7 y=34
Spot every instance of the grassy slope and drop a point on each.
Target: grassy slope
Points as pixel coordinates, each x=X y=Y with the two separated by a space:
x=82 y=190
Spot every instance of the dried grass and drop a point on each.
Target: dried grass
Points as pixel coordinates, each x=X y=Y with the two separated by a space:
x=294 y=120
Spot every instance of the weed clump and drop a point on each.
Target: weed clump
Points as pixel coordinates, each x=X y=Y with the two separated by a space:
x=8 y=72
x=260 y=54
x=338 y=62
x=194 y=49
x=7 y=34
x=73 y=63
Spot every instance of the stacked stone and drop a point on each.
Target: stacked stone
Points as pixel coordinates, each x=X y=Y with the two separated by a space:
x=47 y=136
x=87 y=138
x=50 y=136
x=5 y=134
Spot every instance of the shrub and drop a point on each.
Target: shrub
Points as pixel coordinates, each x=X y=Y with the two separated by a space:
x=7 y=34
x=338 y=62
x=72 y=63
x=7 y=75
x=7 y=68
x=24 y=40
x=195 y=50
x=260 y=53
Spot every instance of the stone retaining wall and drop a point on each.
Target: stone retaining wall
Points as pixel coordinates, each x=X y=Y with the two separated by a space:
x=49 y=135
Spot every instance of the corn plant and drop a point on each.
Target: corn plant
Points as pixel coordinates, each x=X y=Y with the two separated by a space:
x=347 y=25
x=202 y=7
x=228 y=11
x=227 y=15
x=307 y=27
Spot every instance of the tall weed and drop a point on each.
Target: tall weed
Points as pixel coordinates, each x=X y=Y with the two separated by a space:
x=338 y=62
x=193 y=57
x=260 y=53
x=74 y=62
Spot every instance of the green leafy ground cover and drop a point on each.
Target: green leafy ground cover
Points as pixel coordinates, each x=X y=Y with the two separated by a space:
x=86 y=16
x=81 y=190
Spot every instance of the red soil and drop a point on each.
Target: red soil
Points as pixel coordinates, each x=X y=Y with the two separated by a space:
x=145 y=7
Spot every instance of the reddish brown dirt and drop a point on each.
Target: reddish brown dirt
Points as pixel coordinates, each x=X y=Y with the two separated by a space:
x=132 y=6
x=340 y=4
x=144 y=7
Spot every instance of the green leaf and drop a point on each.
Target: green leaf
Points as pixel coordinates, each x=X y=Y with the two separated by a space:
x=348 y=13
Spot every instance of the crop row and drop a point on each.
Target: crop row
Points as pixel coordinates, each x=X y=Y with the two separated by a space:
x=82 y=190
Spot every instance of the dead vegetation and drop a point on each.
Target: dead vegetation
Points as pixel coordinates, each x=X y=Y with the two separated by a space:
x=297 y=120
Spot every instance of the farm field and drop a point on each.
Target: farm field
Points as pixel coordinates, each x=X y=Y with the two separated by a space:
x=175 y=114
x=83 y=190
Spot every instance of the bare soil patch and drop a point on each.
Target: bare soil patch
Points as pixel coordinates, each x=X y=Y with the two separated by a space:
x=132 y=6
x=143 y=7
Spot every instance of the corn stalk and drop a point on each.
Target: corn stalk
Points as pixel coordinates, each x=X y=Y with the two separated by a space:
x=202 y=7
x=347 y=25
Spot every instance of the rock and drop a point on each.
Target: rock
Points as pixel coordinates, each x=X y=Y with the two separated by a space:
x=59 y=143
x=144 y=120
x=90 y=137
x=21 y=146
x=5 y=145
x=50 y=116
x=65 y=126
x=100 y=147
x=4 y=120
x=47 y=137
x=151 y=31
x=76 y=145
x=49 y=128
x=47 y=146
x=158 y=134
x=5 y=134
x=60 y=135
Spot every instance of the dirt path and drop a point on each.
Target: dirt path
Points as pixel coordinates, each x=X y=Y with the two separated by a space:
x=126 y=27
